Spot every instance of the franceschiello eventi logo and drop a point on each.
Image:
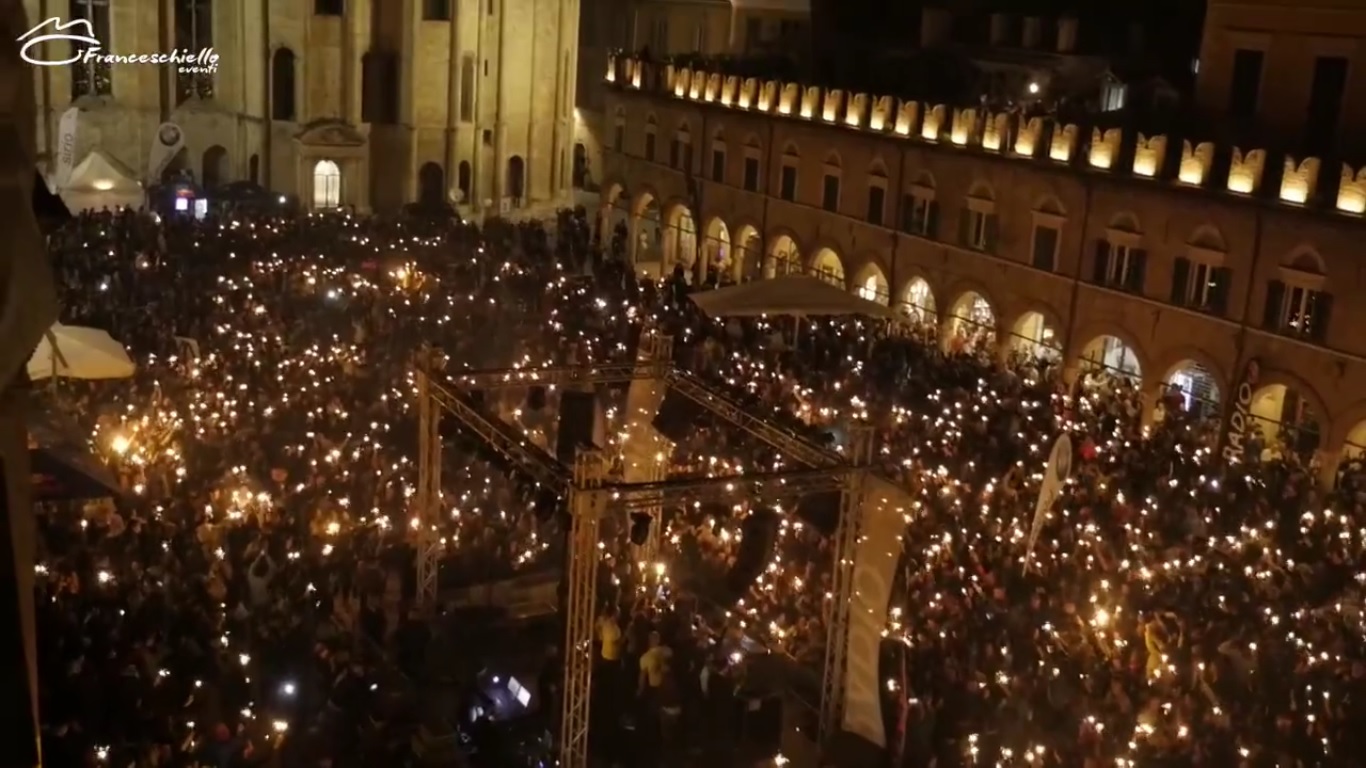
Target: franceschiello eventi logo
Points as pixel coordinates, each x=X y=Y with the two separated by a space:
x=81 y=32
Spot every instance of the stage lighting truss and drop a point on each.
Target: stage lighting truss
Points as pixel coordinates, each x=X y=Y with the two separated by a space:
x=590 y=497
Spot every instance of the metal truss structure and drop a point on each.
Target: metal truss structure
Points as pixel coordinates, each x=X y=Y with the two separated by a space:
x=590 y=497
x=847 y=533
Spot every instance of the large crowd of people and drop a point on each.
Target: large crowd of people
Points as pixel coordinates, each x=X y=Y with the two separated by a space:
x=242 y=598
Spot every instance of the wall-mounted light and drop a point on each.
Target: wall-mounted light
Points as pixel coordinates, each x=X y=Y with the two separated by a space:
x=1033 y=88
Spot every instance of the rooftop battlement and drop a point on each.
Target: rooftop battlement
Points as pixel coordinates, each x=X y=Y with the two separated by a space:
x=1253 y=173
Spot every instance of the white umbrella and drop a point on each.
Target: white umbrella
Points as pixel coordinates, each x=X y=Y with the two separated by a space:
x=75 y=352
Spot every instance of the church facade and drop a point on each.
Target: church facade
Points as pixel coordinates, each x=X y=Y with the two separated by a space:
x=341 y=102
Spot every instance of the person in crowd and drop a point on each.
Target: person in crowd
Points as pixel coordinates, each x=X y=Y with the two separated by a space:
x=248 y=591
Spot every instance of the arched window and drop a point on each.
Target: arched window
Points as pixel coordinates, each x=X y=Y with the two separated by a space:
x=467 y=88
x=516 y=180
x=463 y=181
x=580 y=178
x=650 y=137
x=379 y=87
x=431 y=183
x=254 y=169
x=619 y=130
x=436 y=10
x=193 y=33
x=282 y=85
x=90 y=78
x=326 y=185
x=216 y=171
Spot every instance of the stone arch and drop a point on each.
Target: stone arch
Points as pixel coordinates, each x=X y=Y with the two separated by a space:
x=784 y=256
x=748 y=246
x=516 y=180
x=1349 y=432
x=916 y=299
x=1190 y=379
x=923 y=178
x=1305 y=258
x=1034 y=333
x=1289 y=413
x=982 y=190
x=972 y=319
x=283 y=89
x=790 y=149
x=718 y=255
x=1050 y=204
x=871 y=283
x=646 y=228
x=1209 y=237
x=215 y=170
x=431 y=184
x=680 y=239
x=614 y=210
x=1125 y=222
x=833 y=160
x=1108 y=347
x=877 y=167
x=828 y=264
x=327 y=184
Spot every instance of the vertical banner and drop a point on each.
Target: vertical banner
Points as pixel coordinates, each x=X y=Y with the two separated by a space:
x=1054 y=476
x=168 y=141
x=65 y=161
x=1238 y=420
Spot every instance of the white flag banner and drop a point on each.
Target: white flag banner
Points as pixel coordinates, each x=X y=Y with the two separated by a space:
x=165 y=145
x=65 y=161
x=1054 y=477
x=187 y=347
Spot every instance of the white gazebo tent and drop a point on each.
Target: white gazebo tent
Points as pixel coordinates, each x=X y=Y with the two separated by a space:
x=100 y=181
x=794 y=296
x=75 y=352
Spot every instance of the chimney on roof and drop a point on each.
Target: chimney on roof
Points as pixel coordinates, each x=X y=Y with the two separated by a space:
x=1067 y=34
x=1033 y=32
x=936 y=24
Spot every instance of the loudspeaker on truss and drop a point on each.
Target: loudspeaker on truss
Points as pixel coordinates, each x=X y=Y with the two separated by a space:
x=758 y=539
x=582 y=424
x=677 y=417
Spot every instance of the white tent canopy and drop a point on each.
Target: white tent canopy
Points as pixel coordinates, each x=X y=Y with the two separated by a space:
x=799 y=296
x=79 y=353
x=99 y=181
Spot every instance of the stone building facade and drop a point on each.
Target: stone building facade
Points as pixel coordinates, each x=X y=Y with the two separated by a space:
x=1166 y=259
x=342 y=102
x=670 y=28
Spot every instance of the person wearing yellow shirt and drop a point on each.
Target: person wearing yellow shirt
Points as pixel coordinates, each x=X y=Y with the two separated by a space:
x=654 y=665
x=609 y=637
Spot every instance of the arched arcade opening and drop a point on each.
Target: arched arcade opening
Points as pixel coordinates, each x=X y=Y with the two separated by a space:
x=749 y=254
x=614 y=219
x=872 y=285
x=1109 y=355
x=648 y=233
x=783 y=258
x=1033 y=337
x=917 y=303
x=972 y=324
x=829 y=267
x=1284 y=423
x=1191 y=388
x=718 y=260
x=680 y=242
